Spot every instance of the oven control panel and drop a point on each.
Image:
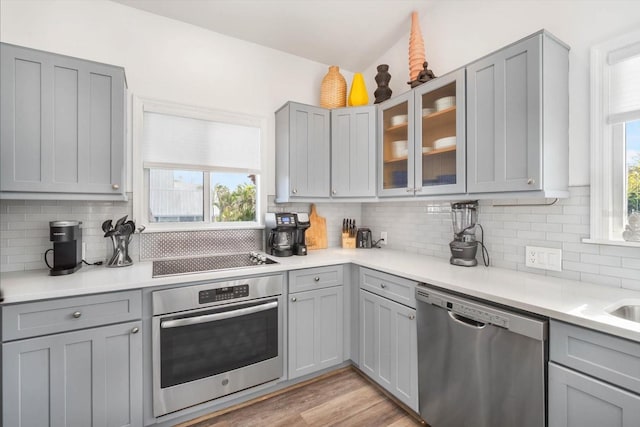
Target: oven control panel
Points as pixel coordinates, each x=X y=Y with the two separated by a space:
x=222 y=294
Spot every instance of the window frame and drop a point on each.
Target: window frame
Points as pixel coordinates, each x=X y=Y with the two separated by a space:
x=607 y=149
x=140 y=176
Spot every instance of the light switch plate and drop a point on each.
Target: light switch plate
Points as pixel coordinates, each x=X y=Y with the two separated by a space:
x=543 y=258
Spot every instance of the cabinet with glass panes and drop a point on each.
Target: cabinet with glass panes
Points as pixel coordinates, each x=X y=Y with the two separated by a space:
x=422 y=139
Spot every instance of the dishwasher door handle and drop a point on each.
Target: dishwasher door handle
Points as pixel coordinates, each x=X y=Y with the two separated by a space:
x=466 y=321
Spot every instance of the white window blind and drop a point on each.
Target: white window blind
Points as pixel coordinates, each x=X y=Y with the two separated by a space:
x=206 y=144
x=624 y=84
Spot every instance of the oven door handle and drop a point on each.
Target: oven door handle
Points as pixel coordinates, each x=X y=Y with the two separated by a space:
x=176 y=323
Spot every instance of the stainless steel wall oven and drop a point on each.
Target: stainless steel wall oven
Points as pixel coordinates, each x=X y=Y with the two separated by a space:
x=214 y=339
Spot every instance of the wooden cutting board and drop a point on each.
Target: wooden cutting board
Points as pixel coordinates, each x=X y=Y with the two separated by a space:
x=316 y=235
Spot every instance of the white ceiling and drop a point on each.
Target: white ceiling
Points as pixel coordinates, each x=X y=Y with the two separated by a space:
x=349 y=33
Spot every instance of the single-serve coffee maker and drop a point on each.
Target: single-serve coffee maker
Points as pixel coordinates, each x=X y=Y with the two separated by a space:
x=464 y=246
x=286 y=233
x=67 y=247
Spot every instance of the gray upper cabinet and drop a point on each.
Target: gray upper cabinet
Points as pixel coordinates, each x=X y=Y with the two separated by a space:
x=518 y=118
x=353 y=152
x=421 y=142
x=302 y=152
x=62 y=126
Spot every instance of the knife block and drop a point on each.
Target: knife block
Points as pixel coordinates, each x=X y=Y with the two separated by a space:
x=348 y=242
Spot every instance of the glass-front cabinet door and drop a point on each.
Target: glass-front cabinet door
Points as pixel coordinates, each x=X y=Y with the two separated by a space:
x=439 y=116
x=421 y=146
x=396 y=146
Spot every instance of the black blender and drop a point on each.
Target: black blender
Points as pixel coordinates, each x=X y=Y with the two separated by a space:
x=464 y=246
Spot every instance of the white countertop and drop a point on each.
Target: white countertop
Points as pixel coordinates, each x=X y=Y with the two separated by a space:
x=578 y=303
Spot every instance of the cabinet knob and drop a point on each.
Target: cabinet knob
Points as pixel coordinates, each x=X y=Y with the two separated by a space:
x=294 y=191
x=382 y=285
x=294 y=299
x=77 y=314
x=135 y=330
x=317 y=279
x=409 y=190
x=419 y=190
x=334 y=192
x=412 y=316
x=115 y=186
x=531 y=181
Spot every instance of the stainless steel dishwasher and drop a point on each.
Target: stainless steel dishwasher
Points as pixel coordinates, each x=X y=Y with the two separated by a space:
x=479 y=365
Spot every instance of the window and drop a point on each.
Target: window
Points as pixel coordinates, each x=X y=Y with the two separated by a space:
x=615 y=138
x=196 y=168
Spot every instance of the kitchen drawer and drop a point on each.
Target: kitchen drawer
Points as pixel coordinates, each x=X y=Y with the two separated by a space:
x=315 y=278
x=66 y=314
x=612 y=359
x=393 y=287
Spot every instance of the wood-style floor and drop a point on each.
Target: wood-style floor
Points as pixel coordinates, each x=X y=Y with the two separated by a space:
x=343 y=398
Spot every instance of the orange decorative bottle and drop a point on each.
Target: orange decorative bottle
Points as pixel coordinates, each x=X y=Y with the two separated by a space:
x=358 y=93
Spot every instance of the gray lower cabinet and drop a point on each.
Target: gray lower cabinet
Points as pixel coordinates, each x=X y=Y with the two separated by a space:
x=91 y=377
x=353 y=152
x=594 y=378
x=62 y=126
x=389 y=346
x=578 y=400
x=315 y=330
x=302 y=152
x=518 y=118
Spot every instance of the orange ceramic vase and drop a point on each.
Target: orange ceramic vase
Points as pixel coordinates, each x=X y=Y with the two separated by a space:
x=358 y=93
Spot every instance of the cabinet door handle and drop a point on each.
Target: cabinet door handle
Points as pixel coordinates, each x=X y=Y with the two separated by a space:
x=382 y=285
x=115 y=186
x=531 y=181
x=294 y=299
x=135 y=330
x=317 y=279
x=412 y=316
x=409 y=190
x=419 y=190
x=77 y=314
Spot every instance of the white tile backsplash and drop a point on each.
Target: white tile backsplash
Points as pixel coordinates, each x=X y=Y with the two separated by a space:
x=417 y=226
x=24 y=229
x=425 y=227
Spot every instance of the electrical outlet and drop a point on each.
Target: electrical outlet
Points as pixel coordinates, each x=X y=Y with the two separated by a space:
x=383 y=236
x=543 y=258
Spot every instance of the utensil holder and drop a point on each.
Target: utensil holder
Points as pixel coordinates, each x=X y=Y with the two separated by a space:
x=120 y=256
x=348 y=242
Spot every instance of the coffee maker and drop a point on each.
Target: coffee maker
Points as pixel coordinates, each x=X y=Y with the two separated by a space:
x=300 y=245
x=67 y=247
x=282 y=233
x=286 y=233
x=464 y=246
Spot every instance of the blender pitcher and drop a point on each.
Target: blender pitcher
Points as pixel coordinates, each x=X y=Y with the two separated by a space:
x=464 y=216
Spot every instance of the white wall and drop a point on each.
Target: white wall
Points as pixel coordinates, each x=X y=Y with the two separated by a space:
x=458 y=32
x=168 y=60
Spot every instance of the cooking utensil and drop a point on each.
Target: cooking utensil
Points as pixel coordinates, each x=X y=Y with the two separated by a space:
x=121 y=221
x=106 y=226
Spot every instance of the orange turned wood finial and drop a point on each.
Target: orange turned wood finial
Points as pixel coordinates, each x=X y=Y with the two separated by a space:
x=416 y=48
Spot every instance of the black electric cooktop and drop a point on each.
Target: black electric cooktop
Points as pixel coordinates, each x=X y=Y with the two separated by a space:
x=173 y=267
